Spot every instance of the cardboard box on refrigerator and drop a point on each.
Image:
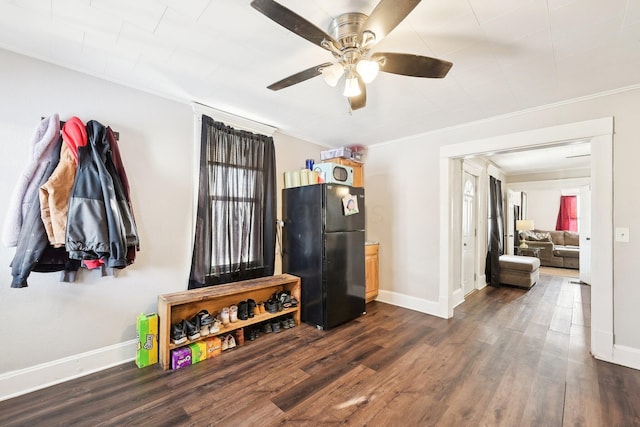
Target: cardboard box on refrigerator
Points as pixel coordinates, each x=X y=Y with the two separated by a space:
x=147 y=332
x=344 y=152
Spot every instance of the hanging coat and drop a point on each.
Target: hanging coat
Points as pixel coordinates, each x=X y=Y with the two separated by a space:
x=55 y=193
x=44 y=141
x=33 y=252
x=99 y=222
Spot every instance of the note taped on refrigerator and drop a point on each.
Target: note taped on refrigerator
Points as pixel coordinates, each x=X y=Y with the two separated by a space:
x=350 y=205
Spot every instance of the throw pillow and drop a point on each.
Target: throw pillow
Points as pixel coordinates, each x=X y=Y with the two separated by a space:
x=537 y=236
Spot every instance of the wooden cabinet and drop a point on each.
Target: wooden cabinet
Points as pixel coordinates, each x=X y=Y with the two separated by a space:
x=371 y=266
x=174 y=307
x=358 y=169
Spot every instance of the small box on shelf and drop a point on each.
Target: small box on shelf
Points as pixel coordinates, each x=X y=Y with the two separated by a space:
x=180 y=357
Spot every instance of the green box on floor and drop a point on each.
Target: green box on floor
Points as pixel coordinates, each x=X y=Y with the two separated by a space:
x=147 y=331
x=198 y=351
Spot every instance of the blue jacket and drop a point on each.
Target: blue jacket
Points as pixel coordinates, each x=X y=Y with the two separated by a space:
x=99 y=221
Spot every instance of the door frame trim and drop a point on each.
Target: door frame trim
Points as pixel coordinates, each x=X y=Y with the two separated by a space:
x=600 y=134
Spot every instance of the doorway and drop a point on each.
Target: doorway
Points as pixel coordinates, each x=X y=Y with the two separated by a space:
x=600 y=133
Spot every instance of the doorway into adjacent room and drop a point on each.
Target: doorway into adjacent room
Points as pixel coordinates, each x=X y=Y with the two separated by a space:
x=600 y=133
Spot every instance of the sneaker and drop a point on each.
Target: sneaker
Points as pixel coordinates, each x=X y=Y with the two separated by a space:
x=284 y=323
x=252 y=307
x=232 y=341
x=271 y=306
x=178 y=333
x=292 y=321
x=225 y=316
x=233 y=313
x=206 y=319
x=275 y=326
x=243 y=310
x=266 y=328
x=215 y=326
x=193 y=328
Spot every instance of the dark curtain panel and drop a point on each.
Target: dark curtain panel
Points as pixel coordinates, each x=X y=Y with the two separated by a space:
x=568 y=214
x=236 y=217
x=496 y=233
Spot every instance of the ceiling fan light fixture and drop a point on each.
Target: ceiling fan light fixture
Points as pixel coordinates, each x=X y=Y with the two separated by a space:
x=368 y=70
x=332 y=74
x=351 y=87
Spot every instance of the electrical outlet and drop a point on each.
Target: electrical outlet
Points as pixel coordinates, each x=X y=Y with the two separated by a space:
x=622 y=234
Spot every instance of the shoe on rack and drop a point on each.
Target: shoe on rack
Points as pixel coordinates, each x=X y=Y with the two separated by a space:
x=252 y=307
x=193 y=328
x=266 y=328
x=215 y=326
x=271 y=306
x=239 y=336
x=206 y=319
x=179 y=333
x=225 y=343
x=232 y=341
x=243 y=310
x=224 y=316
x=284 y=323
x=233 y=313
x=261 y=309
x=292 y=321
x=275 y=325
x=294 y=302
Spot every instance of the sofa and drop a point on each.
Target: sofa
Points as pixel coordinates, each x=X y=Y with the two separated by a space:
x=557 y=248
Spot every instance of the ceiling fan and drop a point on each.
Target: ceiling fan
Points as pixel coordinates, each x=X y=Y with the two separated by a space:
x=350 y=38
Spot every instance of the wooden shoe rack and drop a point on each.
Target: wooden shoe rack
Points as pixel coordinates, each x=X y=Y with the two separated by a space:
x=174 y=307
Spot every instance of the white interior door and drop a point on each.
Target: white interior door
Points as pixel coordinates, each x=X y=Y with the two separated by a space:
x=469 y=225
x=584 y=224
x=513 y=199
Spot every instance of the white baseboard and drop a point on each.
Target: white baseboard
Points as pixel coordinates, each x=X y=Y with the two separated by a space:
x=602 y=345
x=457 y=298
x=418 y=304
x=22 y=381
x=626 y=356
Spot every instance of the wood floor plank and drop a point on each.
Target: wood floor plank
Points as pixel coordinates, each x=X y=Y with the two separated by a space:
x=508 y=357
x=581 y=405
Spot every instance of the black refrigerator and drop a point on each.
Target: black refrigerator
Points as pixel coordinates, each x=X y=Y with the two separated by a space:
x=323 y=244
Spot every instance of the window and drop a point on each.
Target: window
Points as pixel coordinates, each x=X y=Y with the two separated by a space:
x=235 y=226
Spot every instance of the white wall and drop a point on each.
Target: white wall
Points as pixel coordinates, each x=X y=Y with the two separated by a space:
x=58 y=330
x=405 y=170
x=543 y=198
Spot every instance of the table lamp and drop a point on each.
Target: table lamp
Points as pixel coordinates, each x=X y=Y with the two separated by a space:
x=524 y=225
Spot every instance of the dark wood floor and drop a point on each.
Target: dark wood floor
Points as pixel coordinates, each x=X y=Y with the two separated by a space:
x=509 y=357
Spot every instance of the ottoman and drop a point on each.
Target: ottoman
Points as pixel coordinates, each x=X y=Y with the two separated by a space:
x=521 y=271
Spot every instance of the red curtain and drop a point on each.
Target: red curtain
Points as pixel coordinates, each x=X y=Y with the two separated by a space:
x=568 y=214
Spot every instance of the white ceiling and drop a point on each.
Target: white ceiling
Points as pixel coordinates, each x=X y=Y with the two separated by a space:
x=574 y=156
x=508 y=55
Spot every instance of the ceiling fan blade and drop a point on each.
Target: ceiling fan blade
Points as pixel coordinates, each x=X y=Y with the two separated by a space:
x=291 y=21
x=359 y=101
x=299 y=77
x=412 y=65
x=387 y=15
